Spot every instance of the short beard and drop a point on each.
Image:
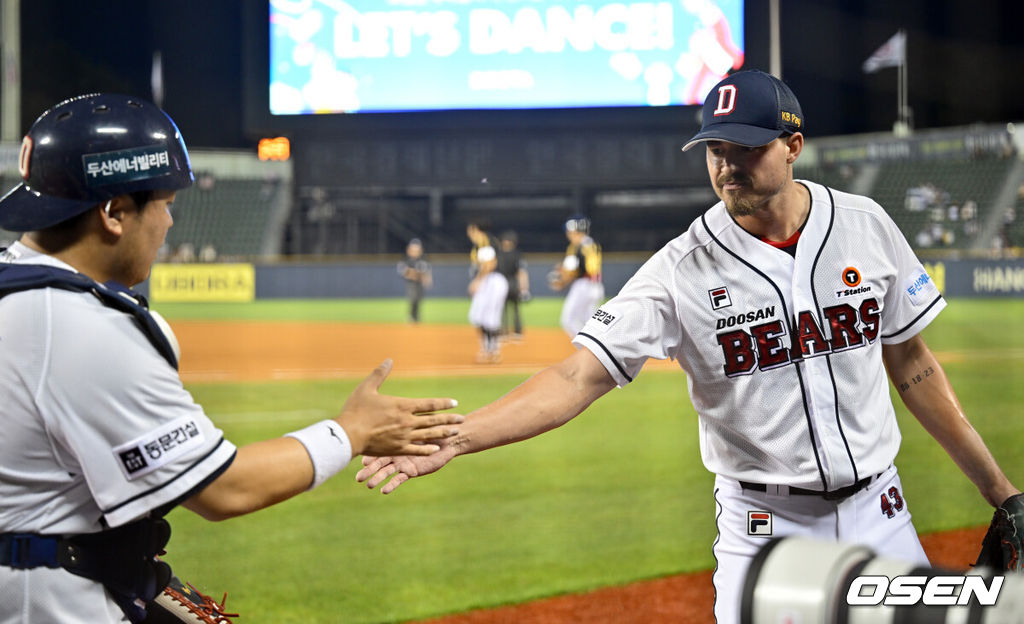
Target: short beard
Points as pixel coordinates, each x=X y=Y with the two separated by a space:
x=747 y=206
x=737 y=206
x=741 y=207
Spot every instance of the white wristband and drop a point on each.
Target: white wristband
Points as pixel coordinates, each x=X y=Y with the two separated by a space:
x=328 y=447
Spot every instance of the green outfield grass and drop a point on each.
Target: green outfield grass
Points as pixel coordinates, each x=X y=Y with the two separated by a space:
x=618 y=494
x=540 y=312
x=601 y=501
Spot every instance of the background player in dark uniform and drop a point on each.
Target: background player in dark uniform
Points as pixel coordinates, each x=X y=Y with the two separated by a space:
x=416 y=272
x=512 y=265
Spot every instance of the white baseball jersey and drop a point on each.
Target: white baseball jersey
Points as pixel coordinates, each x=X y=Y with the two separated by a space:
x=782 y=354
x=583 y=298
x=488 y=302
x=98 y=431
x=586 y=291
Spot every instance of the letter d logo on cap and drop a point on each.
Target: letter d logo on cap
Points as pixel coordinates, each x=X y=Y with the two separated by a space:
x=726 y=100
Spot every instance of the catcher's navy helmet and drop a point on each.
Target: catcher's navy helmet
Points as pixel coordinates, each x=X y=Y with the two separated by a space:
x=89 y=149
x=578 y=223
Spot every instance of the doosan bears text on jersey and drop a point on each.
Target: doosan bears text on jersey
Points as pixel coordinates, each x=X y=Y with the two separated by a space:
x=763 y=345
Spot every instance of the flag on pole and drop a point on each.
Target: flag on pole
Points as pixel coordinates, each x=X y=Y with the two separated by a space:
x=893 y=53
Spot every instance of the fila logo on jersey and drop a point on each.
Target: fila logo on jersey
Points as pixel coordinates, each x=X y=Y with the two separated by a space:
x=759 y=523
x=765 y=346
x=155 y=448
x=719 y=298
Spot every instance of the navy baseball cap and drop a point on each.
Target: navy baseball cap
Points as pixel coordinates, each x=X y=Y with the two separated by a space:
x=748 y=108
x=578 y=223
x=89 y=149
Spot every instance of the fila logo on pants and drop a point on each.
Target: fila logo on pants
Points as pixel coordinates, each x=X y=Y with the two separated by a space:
x=759 y=523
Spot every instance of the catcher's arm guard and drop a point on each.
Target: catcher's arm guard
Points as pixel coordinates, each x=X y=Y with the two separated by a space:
x=180 y=602
x=1003 y=546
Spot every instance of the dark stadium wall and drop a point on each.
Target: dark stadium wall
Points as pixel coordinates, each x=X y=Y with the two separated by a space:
x=377 y=279
x=955 y=278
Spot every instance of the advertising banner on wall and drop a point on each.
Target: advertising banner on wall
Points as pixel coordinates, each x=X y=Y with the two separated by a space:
x=979 y=278
x=202 y=282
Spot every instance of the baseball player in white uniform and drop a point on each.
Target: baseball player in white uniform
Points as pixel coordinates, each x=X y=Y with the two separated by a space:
x=785 y=304
x=488 y=290
x=100 y=438
x=580 y=271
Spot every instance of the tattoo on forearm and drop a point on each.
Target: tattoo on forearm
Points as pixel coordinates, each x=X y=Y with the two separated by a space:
x=916 y=379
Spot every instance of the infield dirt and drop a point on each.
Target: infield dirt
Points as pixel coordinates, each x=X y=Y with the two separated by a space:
x=261 y=350
x=254 y=351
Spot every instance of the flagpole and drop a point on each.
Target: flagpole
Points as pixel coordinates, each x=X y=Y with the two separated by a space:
x=907 y=114
x=902 y=84
x=10 y=66
x=156 y=79
x=774 y=41
x=899 y=95
x=902 y=125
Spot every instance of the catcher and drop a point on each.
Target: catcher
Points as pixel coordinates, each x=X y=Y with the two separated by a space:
x=100 y=438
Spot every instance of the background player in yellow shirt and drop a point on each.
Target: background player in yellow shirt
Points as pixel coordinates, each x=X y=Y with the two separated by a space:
x=580 y=272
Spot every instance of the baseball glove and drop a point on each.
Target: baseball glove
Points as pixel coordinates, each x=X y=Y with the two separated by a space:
x=554 y=279
x=181 y=602
x=1002 y=548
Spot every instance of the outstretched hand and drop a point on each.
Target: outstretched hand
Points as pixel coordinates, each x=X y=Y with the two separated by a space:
x=376 y=470
x=379 y=425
